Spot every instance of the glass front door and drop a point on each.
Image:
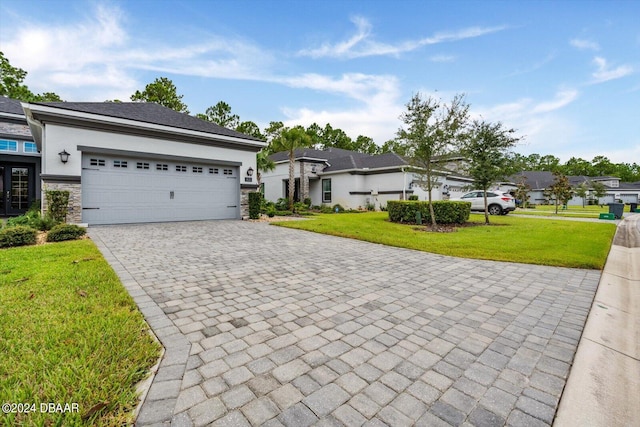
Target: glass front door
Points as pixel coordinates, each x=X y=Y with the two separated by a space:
x=16 y=186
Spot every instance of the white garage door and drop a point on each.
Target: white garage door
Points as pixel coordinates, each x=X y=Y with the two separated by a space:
x=117 y=190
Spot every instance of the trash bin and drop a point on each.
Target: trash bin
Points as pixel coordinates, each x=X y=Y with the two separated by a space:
x=418 y=218
x=633 y=207
x=617 y=209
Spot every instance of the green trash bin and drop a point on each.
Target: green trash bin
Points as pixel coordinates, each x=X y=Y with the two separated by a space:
x=617 y=209
x=633 y=207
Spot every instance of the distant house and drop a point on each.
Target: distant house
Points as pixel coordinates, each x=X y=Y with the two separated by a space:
x=124 y=162
x=539 y=181
x=355 y=180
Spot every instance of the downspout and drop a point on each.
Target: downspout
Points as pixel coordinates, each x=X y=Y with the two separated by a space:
x=404 y=184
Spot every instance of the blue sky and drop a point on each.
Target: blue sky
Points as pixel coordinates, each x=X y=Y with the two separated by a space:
x=565 y=74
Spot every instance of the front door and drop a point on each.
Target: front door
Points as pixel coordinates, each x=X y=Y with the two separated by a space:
x=16 y=189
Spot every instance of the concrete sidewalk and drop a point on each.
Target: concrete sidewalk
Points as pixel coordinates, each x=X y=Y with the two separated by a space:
x=603 y=388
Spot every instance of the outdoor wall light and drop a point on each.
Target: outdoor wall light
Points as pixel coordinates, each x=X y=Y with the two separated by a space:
x=250 y=171
x=64 y=156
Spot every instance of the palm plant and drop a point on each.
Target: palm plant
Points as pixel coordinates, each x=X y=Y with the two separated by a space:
x=290 y=140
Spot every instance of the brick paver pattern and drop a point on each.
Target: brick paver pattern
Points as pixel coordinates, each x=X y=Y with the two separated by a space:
x=270 y=326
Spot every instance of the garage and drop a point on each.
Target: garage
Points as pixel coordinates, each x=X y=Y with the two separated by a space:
x=121 y=189
x=141 y=162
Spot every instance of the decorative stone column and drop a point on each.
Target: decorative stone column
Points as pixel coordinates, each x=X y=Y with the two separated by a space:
x=245 y=189
x=74 y=187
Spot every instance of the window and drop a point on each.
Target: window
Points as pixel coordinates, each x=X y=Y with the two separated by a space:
x=97 y=162
x=227 y=171
x=196 y=169
x=181 y=168
x=6 y=145
x=142 y=165
x=162 y=167
x=30 y=147
x=119 y=163
x=326 y=191
x=213 y=170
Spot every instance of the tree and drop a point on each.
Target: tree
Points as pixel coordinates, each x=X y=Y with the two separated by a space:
x=364 y=144
x=432 y=129
x=599 y=190
x=11 y=84
x=560 y=190
x=289 y=140
x=602 y=166
x=264 y=163
x=220 y=114
x=162 y=91
x=577 y=166
x=486 y=149
x=394 y=146
x=250 y=128
x=582 y=191
x=522 y=192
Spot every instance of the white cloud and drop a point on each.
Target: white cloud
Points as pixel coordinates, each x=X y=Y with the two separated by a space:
x=584 y=44
x=605 y=72
x=442 y=58
x=362 y=45
x=376 y=114
x=563 y=98
x=97 y=55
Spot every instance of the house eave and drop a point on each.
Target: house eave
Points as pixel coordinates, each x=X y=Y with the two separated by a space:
x=39 y=114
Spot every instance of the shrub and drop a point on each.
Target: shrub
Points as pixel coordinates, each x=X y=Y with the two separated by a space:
x=282 y=204
x=325 y=209
x=337 y=208
x=32 y=219
x=447 y=212
x=271 y=211
x=17 y=236
x=283 y=213
x=57 y=204
x=62 y=232
x=371 y=207
x=299 y=207
x=255 y=200
x=307 y=202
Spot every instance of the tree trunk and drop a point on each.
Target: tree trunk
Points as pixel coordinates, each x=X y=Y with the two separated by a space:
x=431 y=212
x=486 y=208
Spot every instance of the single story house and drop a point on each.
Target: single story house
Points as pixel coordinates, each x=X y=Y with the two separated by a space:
x=539 y=181
x=132 y=162
x=355 y=180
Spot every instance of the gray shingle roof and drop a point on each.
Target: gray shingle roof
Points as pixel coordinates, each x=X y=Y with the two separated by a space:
x=148 y=112
x=539 y=180
x=339 y=159
x=11 y=106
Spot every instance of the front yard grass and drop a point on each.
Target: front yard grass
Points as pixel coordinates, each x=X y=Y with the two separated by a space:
x=526 y=240
x=589 y=211
x=69 y=334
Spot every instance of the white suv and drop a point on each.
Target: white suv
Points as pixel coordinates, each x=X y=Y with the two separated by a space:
x=498 y=202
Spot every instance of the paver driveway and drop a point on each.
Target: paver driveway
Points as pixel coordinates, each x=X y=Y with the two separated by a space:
x=271 y=326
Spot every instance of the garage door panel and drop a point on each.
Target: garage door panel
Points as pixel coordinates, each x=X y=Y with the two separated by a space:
x=113 y=195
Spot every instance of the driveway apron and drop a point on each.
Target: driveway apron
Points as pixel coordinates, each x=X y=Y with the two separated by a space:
x=270 y=326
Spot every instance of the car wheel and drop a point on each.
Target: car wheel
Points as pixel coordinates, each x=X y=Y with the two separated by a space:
x=495 y=210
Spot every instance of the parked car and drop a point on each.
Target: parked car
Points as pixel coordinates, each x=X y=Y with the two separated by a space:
x=498 y=202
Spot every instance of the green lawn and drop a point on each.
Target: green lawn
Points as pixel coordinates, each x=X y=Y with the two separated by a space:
x=69 y=334
x=527 y=240
x=592 y=211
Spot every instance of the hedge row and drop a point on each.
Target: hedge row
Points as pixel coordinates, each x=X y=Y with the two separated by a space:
x=446 y=212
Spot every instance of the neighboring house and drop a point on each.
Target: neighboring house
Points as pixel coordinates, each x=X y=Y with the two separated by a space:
x=354 y=180
x=539 y=181
x=138 y=162
x=19 y=160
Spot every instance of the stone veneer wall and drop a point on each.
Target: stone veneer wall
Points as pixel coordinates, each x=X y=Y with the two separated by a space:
x=244 y=200
x=74 y=213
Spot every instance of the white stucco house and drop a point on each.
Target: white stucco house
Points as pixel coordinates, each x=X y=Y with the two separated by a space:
x=539 y=181
x=135 y=162
x=354 y=180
